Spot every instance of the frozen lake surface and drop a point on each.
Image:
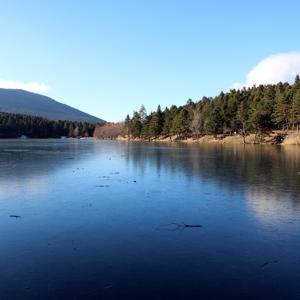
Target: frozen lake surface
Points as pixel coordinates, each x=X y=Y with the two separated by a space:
x=104 y=220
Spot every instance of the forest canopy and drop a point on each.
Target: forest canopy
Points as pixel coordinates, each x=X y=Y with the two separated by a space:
x=259 y=109
x=17 y=125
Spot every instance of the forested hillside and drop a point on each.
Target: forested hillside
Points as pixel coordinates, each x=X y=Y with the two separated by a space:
x=16 y=125
x=32 y=104
x=250 y=110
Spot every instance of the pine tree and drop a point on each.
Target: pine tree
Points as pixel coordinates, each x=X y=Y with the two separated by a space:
x=167 y=124
x=127 y=125
x=214 y=122
x=295 y=110
x=156 y=123
x=179 y=124
x=242 y=117
x=297 y=82
x=136 y=125
x=281 y=111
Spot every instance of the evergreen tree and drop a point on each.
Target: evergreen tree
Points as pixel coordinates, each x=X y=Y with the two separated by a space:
x=145 y=133
x=242 y=117
x=127 y=125
x=156 y=123
x=214 y=123
x=281 y=111
x=179 y=124
x=297 y=82
x=167 y=124
x=295 y=110
x=136 y=125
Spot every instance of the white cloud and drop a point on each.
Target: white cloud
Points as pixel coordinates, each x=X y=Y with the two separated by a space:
x=28 y=86
x=279 y=67
x=237 y=86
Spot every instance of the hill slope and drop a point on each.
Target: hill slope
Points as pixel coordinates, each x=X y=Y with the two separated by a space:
x=27 y=103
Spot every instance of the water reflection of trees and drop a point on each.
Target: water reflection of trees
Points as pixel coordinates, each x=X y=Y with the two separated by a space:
x=263 y=168
x=265 y=172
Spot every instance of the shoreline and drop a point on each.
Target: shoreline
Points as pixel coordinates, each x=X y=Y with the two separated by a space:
x=273 y=138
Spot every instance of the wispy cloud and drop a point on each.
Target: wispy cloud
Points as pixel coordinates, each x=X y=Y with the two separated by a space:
x=279 y=67
x=28 y=86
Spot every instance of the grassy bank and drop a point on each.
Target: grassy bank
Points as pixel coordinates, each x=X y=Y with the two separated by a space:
x=273 y=138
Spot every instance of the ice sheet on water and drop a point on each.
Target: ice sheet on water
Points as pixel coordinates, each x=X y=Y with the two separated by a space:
x=16 y=150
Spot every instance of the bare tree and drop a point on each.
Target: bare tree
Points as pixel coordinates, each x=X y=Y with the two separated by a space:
x=143 y=113
x=76 y=132
x=196 y=125
x=108 y=130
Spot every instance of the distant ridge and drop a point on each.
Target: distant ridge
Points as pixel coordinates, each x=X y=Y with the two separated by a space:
x=27 y=103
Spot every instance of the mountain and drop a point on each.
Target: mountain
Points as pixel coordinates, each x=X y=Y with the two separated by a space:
x=27 y=103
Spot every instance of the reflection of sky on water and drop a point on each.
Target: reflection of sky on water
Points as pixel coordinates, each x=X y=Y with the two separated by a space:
x=29 y=185
x=91 y=214
x=271 y=207
x=267 y=175
x=31 y=166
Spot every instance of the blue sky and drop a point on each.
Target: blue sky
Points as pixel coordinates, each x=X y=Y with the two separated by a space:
x=109 y=57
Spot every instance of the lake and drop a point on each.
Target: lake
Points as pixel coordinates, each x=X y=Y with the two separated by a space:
x=84 y=219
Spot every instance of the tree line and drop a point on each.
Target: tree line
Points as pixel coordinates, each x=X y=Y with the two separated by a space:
x=258 y=110
x=17 y=125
